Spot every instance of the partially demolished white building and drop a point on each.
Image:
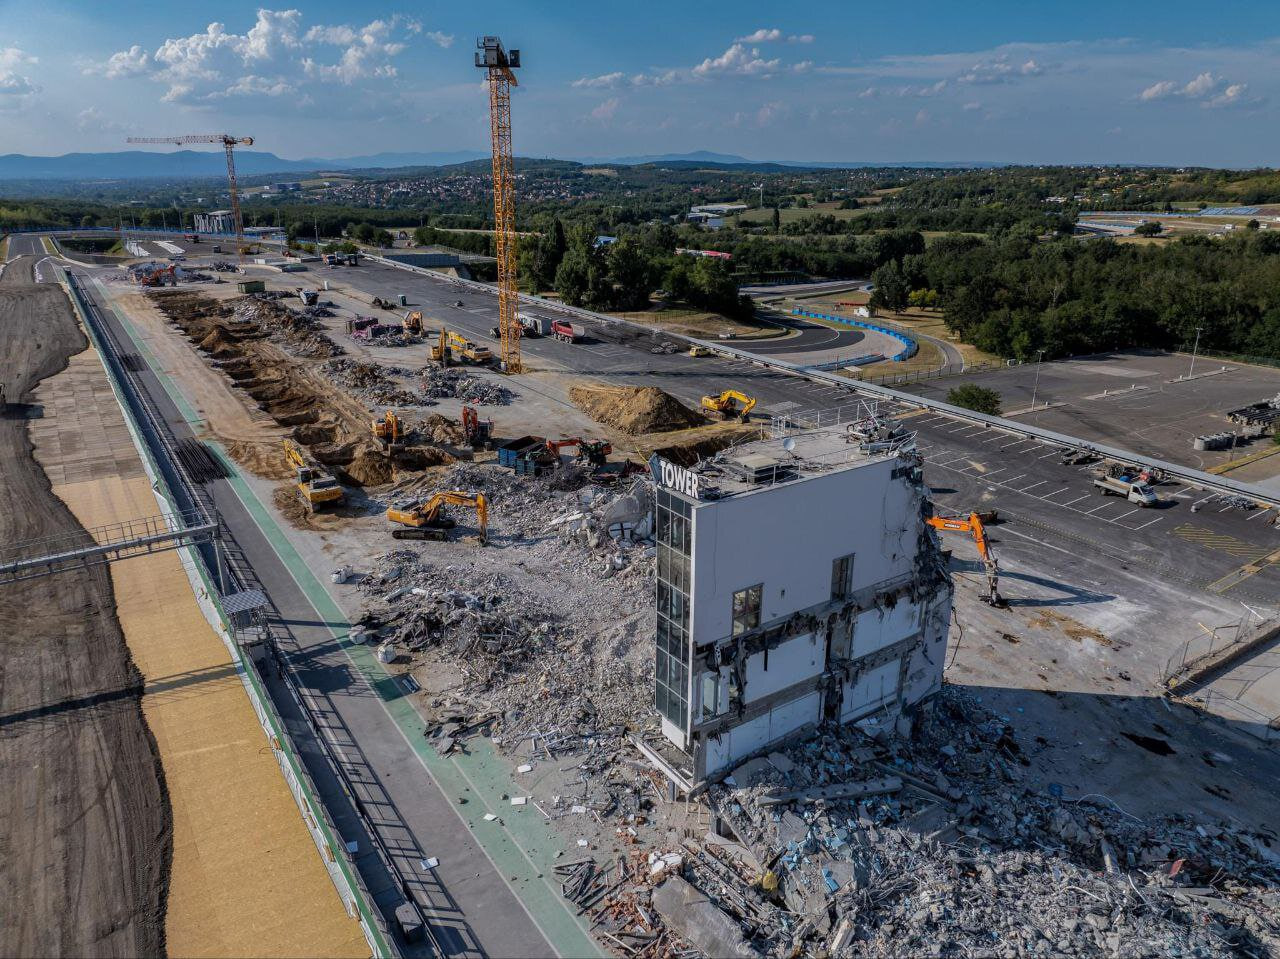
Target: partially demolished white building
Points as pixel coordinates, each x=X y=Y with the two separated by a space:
x=797 y=583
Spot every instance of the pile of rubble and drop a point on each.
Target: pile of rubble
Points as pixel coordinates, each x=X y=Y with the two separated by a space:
x=295 y=332
x=371 y=381
x=440 y=383
x=857 y=842
x=566 y=659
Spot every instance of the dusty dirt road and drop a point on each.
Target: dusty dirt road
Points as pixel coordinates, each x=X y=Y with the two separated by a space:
x=85 y=833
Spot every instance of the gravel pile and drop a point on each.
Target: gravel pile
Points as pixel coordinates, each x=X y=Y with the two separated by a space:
x=293 y=331
x=440 y=383
x=372 y=381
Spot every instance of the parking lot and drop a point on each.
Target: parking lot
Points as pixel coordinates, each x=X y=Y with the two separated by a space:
x=1133 y=401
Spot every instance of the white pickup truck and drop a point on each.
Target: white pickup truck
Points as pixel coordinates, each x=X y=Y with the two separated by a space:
x=1134 y=491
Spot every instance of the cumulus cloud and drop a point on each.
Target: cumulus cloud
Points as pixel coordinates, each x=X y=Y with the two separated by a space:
x=763 y=35
x=126 y=63
x=15 y=87
x=276 y=56
x=604 y=81
x=773 y=35
x=739 y=60
x=1000 y=70
x=604 y=112
x=1210 y=90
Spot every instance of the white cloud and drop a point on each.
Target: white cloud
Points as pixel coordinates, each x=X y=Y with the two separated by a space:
x=1000 y=70
x=442 y=40
x=275 y=57
x=772 y=35
x=605 y=81
x=604 y=112
x=15 y=88
x=972 y=105
x=1210 y=90
x=91 y=120
x=1202 y=84
x=804 y=66
x=1158 y=91
x=763 y=35
x=662 y=78
x=1232 y=94
x=738 y=60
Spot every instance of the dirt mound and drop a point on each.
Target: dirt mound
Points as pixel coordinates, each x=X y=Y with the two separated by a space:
x=338 y=454
x=264 y=459
x=422 y=457
x=313 y=434
x=690 y=446
x=369 y=468
x=441 y=429
x=634 y=409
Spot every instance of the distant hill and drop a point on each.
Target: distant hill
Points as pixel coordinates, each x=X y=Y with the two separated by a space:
x=183 y=164
x=140 y=164
x=705 y=158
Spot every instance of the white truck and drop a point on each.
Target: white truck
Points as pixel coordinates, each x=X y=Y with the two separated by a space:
x=533 y=325
x=1133 y=490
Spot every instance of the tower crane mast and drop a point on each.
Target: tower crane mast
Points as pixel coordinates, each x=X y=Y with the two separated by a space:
x=499 y=63
x=229 y=143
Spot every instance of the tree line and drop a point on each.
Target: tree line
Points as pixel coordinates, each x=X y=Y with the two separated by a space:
x=1015 y=296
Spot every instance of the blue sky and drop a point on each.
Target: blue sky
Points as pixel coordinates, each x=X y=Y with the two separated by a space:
x=1036 y=81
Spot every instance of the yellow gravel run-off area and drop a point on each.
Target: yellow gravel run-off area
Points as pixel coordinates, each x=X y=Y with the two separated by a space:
x=247 y=879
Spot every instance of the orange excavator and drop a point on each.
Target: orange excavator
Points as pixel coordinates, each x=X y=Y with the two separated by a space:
x=389 y=429
x=425 y=519
x=973 y=526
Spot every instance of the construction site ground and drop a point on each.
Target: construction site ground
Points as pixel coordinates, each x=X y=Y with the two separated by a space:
x=1074 y=666
x=86 y=829
x=238 y=836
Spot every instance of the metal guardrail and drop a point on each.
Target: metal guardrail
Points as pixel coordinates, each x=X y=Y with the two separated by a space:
x=1186 y=474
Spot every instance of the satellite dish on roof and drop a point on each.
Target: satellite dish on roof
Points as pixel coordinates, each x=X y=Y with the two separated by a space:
x=789 y=444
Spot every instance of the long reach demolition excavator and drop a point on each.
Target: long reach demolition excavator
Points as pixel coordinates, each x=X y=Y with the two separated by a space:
x=973 y=526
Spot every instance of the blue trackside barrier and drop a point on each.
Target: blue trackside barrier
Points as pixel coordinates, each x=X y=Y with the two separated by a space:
x=911 y=346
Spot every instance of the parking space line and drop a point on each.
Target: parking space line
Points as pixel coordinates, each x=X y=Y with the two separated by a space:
x=1047 y=455
x=996 y=439
x=1145 y=525
x=1012 y=478
x=1056 y=492
x=1096 y=508
x=1028 y=489
x=1122 y=516
x=1076 y=500
x=1261 y=512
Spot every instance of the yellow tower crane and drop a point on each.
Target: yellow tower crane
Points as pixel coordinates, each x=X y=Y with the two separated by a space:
x=229 y=143
x=499 y=62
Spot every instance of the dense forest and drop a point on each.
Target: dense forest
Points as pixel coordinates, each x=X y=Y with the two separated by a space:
x=1014 y=296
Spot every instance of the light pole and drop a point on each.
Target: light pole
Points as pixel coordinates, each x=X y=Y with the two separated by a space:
x=1036 y=386
x=1194 y=350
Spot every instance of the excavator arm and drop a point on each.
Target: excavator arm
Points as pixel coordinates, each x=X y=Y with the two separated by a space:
x=974 y=527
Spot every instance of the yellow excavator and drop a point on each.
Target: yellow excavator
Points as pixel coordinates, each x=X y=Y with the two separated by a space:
x=412 y=322
x=388 y=429
x=730 y=404
x=452 y=346
x=424 y=519
x=973 y=526
x=316 y=486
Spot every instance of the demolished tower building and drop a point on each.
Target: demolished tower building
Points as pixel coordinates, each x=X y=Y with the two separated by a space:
x=797 y=583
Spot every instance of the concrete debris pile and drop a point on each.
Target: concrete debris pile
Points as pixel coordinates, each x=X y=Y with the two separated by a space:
x=372 y=382
x=295 y=332
x=857 y=842
x=440 y=383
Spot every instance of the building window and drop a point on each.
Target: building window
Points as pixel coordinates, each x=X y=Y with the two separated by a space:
x=671 y=667
x=842 y=577
x=746 y=608
x=710 y=695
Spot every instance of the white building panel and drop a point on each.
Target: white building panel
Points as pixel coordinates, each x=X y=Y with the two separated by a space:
x=732 y=745
x=870 y=691
x=787 y=663
x=874 y=629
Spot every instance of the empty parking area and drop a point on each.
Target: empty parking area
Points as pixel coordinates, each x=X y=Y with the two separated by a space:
x=1131 y=400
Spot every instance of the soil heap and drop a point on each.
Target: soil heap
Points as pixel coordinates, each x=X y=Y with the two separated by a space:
x=634 y=409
